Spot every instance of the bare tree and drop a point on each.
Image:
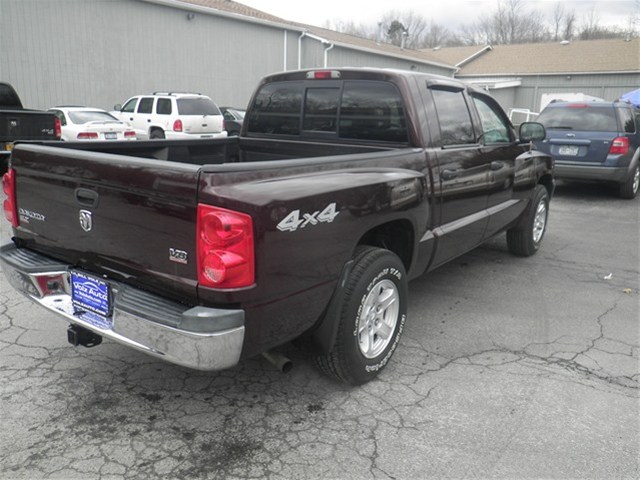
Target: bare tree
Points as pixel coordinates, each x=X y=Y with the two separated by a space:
x=569 y=26
x=562 y=23
x=511 y=22
x=590 y=29
x=633 y=22
x=558 y=17
x=350 y=27
x=435 y=36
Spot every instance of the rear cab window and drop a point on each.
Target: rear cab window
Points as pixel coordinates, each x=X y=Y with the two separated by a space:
x=349 y=109
x=277 y=109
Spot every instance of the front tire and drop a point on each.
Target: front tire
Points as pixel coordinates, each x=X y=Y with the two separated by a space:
x=371 y=317
x=525 y=239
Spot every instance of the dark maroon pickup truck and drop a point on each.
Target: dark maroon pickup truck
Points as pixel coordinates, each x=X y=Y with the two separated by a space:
x=343 y=185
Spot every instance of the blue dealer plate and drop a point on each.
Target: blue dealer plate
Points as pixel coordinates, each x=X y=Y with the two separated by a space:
x=90 y=294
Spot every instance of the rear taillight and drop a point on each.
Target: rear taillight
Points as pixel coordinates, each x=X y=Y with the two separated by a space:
x=57 y=128
x=87 y=136
x=10 y=206
x=224 y=248
x=129 y=134
x=619 y=146
x=224 y=124
x=177 y=126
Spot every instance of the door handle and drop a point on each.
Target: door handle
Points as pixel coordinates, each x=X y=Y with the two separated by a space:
x=87 y=198
x=449 y=174
x=148 y=120
x=496 y=165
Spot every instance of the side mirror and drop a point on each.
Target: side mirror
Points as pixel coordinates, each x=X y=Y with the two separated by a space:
x=117 y=107
x=532 y=132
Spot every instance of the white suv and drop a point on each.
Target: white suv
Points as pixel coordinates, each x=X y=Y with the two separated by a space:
x=172 y=115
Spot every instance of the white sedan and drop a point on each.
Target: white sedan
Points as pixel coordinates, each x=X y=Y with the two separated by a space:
x=84 y=123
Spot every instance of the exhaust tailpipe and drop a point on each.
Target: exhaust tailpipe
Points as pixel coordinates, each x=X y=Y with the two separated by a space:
x=278 y=360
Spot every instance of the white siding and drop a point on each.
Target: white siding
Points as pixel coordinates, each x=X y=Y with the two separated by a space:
x=101 y=52
x=339 y=56
x=609 y=86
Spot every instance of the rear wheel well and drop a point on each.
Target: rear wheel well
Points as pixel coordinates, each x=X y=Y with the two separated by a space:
x=396 y=236
x=156 y=132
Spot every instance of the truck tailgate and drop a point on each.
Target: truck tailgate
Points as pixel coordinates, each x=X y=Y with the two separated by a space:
x=110 y=214
x=26 y=125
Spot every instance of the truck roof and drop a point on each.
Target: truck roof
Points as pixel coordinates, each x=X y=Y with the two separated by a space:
x=363 y=73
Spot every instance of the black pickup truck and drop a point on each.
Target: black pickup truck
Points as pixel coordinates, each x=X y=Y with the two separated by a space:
x=343 y=185
x=18 y=123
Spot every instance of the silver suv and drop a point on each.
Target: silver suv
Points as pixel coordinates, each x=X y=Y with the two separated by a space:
x=172 y=115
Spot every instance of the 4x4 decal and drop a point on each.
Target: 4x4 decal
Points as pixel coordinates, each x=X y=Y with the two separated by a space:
x=293 y=221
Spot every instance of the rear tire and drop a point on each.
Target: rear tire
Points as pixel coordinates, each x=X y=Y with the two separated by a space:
x=371 y=317
x=629 y=189
x=525 y=239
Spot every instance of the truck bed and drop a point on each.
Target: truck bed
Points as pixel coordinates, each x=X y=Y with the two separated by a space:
x=221 y=151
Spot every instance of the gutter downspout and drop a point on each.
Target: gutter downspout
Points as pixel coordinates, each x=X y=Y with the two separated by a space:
x=323 y=41
x=302 y=35
x=326 y=54
x=284 y=59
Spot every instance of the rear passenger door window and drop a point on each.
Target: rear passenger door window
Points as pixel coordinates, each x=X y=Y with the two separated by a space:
x=145 y=105
x=456 y=127
x=164 y=106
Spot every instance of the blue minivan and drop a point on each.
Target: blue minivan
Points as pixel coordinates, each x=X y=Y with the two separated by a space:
x=594 y=141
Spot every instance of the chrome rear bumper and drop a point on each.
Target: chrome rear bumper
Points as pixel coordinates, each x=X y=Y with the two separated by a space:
x=195 y=337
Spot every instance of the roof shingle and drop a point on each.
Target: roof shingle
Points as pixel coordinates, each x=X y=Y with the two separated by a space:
x=587 y=56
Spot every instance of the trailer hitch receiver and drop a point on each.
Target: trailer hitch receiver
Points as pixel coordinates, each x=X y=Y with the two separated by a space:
x=77 y=335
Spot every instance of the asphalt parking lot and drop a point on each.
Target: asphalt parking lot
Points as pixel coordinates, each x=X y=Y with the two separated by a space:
x=508 y=368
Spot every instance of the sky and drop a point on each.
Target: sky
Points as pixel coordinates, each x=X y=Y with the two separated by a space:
x=449 y=13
